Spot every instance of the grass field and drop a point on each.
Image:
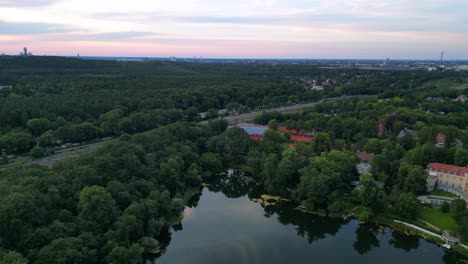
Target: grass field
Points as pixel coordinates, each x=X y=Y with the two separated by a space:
x=439 y=219
x=443 y=193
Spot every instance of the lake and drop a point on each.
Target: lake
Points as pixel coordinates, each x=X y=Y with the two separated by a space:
x=224 y=225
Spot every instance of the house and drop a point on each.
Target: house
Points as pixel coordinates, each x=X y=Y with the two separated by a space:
x=406 y=131
x=440 y=139
x=435 y=200
x=364 y=166
x=450 y=178
x=203 y=115
x=256 y=137
x=317 y=88
x=461 y=98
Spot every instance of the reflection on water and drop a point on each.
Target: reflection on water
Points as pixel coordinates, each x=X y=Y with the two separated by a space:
x=366 y=239
x=224 y=225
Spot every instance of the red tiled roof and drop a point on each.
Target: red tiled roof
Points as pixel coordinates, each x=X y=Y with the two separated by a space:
x=440 y=135
x=364 y=156
x=256 y=136
x=301 y=138
x=449 y=169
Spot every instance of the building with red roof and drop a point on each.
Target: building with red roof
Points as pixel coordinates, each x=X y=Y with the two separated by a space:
x=440 y=139
x=256 y=136
x=461 y=98
x=449 y=178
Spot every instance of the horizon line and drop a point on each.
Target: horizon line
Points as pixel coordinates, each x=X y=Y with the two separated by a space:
x=236 y=58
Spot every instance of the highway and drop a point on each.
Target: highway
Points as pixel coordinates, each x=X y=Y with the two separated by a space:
x=232 y=120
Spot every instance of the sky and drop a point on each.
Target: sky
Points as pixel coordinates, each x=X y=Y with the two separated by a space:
x=308 y=29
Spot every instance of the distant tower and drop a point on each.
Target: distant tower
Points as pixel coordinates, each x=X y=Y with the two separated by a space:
x=442 y=57
x=25 y=51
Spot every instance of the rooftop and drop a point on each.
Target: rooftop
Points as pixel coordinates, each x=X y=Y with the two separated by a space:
x=450 y=169
x=364 y=156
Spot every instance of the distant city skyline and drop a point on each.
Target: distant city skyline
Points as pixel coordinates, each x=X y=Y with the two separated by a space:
x=295 y=29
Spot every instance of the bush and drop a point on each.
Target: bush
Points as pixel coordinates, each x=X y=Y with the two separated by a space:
x=458 y=208
x=37 y=152
x=445 y=207
x=365 y=215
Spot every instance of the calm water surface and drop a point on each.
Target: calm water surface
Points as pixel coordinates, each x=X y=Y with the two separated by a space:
x=226 y=226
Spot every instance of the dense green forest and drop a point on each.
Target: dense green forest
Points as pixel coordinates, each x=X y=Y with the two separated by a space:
x=111 y=205
x=49 y=101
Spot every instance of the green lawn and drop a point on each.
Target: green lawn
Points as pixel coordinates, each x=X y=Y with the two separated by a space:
x=443 y=193
x=436 y=217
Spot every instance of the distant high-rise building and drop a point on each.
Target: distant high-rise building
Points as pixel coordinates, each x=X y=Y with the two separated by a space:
x=25 y=52
x=442 y=56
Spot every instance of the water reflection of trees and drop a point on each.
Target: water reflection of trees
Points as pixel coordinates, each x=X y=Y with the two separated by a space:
x=233 y=185
x=366 y=239
x=452 y=257
x=405 y=242
x=312 y=227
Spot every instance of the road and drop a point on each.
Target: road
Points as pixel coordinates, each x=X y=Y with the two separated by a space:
x=232 y=120
x=71 y=152
x=62 y=154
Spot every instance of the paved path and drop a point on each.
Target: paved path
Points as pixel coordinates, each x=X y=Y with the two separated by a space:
x=425 y=231
x=418 y=228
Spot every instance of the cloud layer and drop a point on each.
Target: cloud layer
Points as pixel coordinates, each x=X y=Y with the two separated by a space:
x=242 y=28
x=25 y=3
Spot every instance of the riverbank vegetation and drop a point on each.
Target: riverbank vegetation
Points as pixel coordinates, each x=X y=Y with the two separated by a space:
x=110 y=206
